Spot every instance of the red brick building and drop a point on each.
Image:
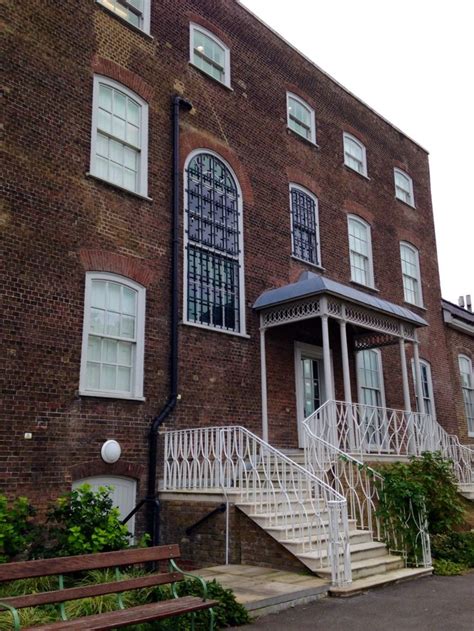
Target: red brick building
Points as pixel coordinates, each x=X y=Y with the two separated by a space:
x=284 y=182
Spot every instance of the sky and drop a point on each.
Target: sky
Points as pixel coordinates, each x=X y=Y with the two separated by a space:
x=412 y=62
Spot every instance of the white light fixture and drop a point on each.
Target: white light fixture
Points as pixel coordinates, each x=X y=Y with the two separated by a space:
x=111 y=451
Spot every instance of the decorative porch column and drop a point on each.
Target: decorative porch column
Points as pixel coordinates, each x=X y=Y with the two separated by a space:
x=263 y=378
x=406 y=389
x=419 y=386
x=345 y=362
x=327 y=357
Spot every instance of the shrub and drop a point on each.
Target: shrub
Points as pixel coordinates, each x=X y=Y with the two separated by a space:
x=84 y=521
x=455 y=546
x=448 y=568
x=16 y=528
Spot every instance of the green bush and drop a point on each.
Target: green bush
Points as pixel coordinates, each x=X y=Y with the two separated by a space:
x=457 y=547
x=84 y=521
x=423 y=487
x=16 y=528
x=448 y=568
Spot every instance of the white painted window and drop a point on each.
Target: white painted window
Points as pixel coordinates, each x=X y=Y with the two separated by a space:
x=360 y=251
x=135 y=12
x=209 y=54
x=214 y=265
x=122 y=491
x=370 y=378
x=300 y=117
x=355 y=154
x=411 y=274
x=119 y=139
x=403 y=187
x=426 y=386
x=304 y=225
x=467 y=385
x=113 y=337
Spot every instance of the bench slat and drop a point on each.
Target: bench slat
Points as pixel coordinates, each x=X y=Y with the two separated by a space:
x=134 y=615
x=86 y=591
x=63 y=565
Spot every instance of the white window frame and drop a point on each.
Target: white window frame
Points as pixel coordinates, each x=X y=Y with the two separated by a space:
x=145 y=14
x=411 y=201
x=349 y=137
x=193 y=27
x=318 y=263
x=137 y=374
x=419 y=297
x=362 y=222
x=142 y=178
x=359 y=368
x=243 y=329
x=470 y=389
x=290 y=95
x=427 y=366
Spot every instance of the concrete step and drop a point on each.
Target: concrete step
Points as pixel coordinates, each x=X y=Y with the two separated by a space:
x=295 y=506
x=356 y=537
x=360 y=569
x=303 y=529
x=379 y=580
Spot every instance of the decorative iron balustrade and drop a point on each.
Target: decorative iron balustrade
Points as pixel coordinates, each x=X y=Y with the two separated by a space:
x=361 y=486
x=239 y=462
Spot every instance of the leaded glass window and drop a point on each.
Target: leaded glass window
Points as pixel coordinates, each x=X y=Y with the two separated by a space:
x=304 y=225
x=213 y=244
x=411 y=274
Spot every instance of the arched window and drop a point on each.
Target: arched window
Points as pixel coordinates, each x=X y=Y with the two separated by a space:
x=119 y=140
x=304 y=225
x=213 y=241
x=209 y=54
x=403 y=187
x=300 y=117
x=135 y=12
x=354 y=154
x=360 y=251
x=411 y=274
x=113 y=337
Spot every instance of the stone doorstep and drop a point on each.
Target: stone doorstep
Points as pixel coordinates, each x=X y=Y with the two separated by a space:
x=379 y=580
x=263 y=590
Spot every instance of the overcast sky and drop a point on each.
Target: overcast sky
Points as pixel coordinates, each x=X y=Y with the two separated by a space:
x=412 y=61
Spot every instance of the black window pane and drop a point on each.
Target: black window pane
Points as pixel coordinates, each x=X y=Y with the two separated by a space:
x=303 y=212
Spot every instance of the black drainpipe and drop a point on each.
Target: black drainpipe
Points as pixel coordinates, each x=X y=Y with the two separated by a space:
x=153 y=513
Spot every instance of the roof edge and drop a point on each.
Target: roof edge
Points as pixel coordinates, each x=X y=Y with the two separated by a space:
x=326 y=74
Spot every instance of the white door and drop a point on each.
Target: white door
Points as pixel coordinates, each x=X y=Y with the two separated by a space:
x=310 y=385
x=123 y=493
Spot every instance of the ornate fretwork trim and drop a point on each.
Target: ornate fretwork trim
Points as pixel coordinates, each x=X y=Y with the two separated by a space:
x=293 y=312
x=373 y=340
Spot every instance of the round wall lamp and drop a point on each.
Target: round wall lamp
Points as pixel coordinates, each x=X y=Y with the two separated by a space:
x=110 y=451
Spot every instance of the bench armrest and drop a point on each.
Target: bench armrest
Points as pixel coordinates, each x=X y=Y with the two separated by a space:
x=199 y=579
x=14 y=613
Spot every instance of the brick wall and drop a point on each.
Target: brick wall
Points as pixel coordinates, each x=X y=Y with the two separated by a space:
x=57 y=222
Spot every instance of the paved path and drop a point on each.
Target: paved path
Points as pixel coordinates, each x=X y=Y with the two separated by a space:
x=435 y=603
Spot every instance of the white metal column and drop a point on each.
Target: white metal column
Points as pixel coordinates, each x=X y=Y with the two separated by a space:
x=345 y=362
x=263 y=378
x=419 y=386
x=327 y=358
x=406 y=389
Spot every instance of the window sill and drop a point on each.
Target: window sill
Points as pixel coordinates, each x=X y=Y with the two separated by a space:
x=300 y=137
x=362 y=286
x=124 y=21
x=110 y=395
x=208 y=76
x=117 y=186
x=315 y=265
x=412 y=304
x=215 y=330
x=412 y=206
x=364 y=176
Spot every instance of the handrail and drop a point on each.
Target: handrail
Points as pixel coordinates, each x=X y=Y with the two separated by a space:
x=361 y=485
x=293 y=499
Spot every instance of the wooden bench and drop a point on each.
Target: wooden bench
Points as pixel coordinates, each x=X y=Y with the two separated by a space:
x=108 y=620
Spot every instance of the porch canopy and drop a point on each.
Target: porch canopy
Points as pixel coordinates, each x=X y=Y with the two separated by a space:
x=313 y=296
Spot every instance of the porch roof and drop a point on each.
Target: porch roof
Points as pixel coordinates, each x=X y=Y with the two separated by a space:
x=311 y=284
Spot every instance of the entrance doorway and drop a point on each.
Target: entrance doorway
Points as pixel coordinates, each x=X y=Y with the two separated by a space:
x=310 y=383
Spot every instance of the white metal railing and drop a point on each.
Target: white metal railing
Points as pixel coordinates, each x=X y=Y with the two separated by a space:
x=294 y=499
x=361 y=486
x=366 y=430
